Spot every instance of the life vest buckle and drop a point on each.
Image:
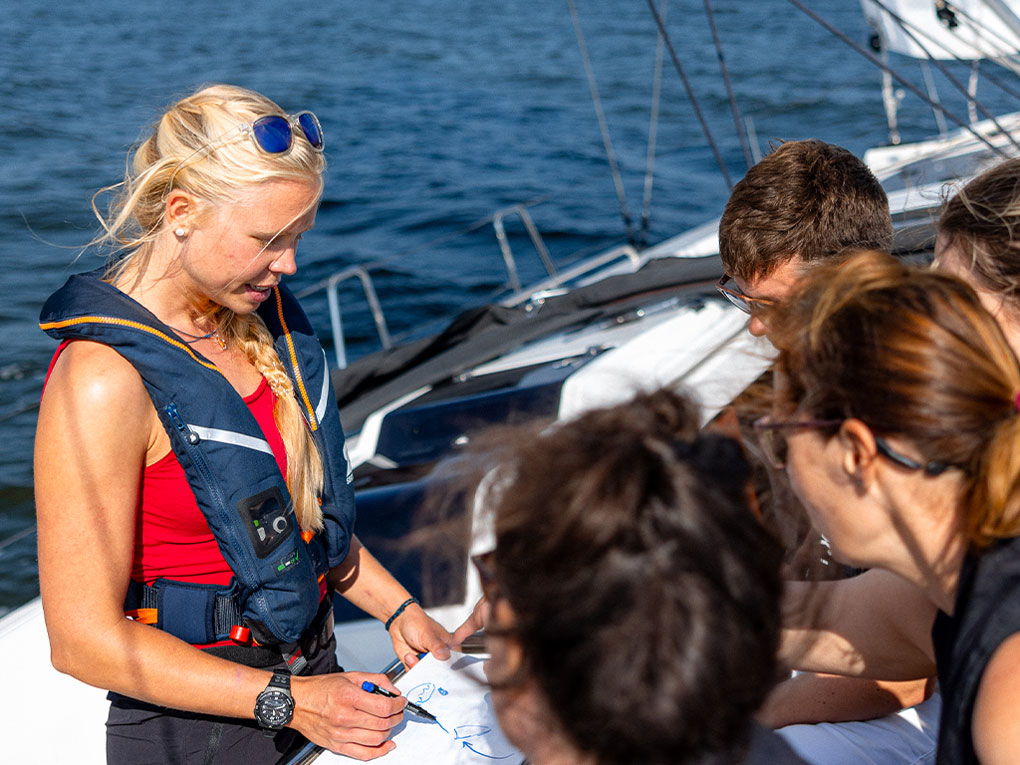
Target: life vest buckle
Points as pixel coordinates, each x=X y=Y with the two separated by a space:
x=240 y=635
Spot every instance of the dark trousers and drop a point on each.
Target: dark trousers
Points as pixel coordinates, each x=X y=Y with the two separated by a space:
x=138 y=733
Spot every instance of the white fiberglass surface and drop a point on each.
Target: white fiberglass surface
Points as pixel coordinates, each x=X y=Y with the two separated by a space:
x=704 y=350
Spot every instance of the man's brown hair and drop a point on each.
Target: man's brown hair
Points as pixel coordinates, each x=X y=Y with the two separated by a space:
x=808 y=199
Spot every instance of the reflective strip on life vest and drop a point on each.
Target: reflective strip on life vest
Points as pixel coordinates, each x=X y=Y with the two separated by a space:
x=320 y=410
x=231 y=437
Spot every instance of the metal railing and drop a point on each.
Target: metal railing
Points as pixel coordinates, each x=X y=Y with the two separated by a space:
x=519 y=293
x=335 y=313
x=504 y=244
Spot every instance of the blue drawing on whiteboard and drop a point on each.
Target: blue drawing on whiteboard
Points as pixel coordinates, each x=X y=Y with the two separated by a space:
x=421 y=693
x=464 y=732
x=471 y=737
x=467 y=731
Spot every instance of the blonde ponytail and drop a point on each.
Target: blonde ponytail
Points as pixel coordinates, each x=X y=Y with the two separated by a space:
x=304 y=465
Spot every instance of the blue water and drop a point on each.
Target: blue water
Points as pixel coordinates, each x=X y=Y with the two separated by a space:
x=436 y=114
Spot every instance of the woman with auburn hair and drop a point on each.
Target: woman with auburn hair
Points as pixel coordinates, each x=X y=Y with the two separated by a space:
x=632 y=595
x=202 y=513
x=896 y=418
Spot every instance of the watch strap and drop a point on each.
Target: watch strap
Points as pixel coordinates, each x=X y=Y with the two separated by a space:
x=279 y=683
x=280 y=679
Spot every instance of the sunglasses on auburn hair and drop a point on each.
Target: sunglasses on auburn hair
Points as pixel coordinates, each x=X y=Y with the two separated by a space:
x=274 y=134
x=745 y=303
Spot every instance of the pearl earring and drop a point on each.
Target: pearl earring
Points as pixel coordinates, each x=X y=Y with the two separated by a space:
x=180 y=232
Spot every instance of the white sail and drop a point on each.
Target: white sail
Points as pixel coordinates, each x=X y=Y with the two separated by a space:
x=967 y=29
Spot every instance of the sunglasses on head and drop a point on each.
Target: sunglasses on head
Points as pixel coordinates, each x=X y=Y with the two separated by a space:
x=274 y=134
x=745 y=303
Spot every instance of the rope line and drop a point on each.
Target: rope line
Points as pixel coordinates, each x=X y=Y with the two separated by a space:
x=949 y=76
x=653 y=126
x=1007 y=53
x=690 y=95
x=17 y=537
x=603 y=127
x=899 y=78
x=737 y=121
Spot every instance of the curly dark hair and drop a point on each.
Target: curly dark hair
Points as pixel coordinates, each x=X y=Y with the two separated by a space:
x=645 y=592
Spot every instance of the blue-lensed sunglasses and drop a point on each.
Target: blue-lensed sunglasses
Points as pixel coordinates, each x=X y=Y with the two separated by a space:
x=274 y=134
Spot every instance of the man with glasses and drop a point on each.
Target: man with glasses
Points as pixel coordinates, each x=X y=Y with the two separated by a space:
x=807 y=202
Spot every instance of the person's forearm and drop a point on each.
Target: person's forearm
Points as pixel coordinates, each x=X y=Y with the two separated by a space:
x=874 y=625
x=153 y=666
x=366 y=583
x=150 y=665
x=814 y=698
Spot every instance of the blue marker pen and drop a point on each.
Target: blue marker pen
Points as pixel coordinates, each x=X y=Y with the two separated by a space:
x=373 y=688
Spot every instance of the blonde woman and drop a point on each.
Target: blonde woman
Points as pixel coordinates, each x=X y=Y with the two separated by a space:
x=194 y=501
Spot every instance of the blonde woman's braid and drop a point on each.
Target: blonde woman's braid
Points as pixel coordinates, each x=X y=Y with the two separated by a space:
x=304 y=465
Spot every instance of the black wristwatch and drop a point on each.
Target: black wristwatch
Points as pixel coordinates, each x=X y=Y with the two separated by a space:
x=274 y=707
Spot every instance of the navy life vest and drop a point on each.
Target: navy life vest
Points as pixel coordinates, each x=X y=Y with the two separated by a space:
x=228 y=463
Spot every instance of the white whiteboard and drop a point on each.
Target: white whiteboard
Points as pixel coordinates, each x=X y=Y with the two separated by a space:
x=466 y=731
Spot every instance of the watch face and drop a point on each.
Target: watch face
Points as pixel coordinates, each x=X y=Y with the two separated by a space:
x=274 y=708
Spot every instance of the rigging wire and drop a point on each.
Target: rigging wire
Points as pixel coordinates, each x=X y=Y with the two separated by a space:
x=30 y=407
x=737 y=121
x=902 y=80
x=653 y=125
x=999 y=8
x=690 y=94
x=1006 y=57
x=403 y=255
x=603 y=127
x=971 y=100
x=13 y=538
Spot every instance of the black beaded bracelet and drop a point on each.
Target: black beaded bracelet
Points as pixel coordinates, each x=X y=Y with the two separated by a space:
x=400 y=610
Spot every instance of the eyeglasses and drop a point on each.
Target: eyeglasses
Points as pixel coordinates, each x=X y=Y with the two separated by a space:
x=772 y=436
x=486 y=574
x=930 y=468
x=745 y=303
x=274 y=134
x=773 y=444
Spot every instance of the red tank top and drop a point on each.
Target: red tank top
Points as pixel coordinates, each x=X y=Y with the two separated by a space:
x=172 y=537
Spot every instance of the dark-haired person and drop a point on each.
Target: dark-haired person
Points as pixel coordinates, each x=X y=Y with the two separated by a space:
x=632 y=594
x=897 y=415
x=193 y=495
